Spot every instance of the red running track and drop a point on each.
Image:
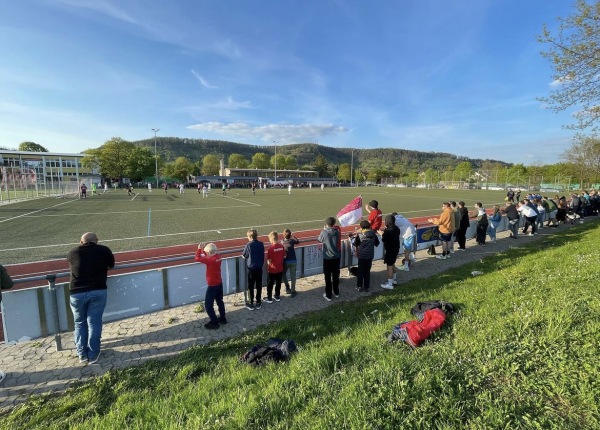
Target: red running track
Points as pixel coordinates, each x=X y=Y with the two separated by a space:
x=148 y=257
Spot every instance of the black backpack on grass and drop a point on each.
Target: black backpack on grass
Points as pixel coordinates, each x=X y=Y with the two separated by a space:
x=421 y=307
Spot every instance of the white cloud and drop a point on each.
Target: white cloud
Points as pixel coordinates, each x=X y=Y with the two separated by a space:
x=103 y=7
x=203 y=81
x=284 y=133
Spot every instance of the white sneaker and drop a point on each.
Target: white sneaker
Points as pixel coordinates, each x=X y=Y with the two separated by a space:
x=326 y=298
x=387 y=286
x=406 y=268
x=451 y=251
x=401 y=268
x=412 y=258
x=440 y=257
x=395 y=282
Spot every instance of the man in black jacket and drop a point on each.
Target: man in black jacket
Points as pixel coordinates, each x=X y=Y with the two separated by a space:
x=513 y=218
x=89 y=264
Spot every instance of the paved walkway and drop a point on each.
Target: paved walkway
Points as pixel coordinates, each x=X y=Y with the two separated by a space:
x=35 y=366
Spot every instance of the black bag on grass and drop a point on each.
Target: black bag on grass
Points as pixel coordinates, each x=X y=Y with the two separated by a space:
x=421 y=307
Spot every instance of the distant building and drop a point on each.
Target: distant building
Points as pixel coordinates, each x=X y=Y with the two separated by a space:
x=42 y=170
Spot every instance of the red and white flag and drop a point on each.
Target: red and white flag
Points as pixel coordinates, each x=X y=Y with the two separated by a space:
x=350 y=213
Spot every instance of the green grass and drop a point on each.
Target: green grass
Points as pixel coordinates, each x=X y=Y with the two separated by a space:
x=523 y=352
x=47 y=228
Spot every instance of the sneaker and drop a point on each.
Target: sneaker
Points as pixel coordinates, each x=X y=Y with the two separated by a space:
x=412 y=258
x=529 y=234
x=211 y=325
x=336 y=295
x=83 y=360
x=326 y=298
x=387 y=286
x=249 y=306
x=267 y=299
x=2 y=376
x=447 y=255
x=222 y=320
x=406 y=268
x=293 y=294
x=258 y=305
x=440 y=257
x=462 y=249
x=288 y=290
x=451 y=251
x=395 y=282
x=94 y=360
x=277 y=298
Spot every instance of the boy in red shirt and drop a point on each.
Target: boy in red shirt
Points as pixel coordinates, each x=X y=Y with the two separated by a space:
x=375 y=215
x=208 y=255
x=275 y=256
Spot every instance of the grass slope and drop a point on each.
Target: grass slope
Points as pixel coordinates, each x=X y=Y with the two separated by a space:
x=522 y=352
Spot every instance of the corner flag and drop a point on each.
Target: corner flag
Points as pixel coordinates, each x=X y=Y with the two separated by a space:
x=350 y=213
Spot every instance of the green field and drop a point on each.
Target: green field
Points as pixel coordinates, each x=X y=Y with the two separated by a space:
x=47 y=228
x=523 y=352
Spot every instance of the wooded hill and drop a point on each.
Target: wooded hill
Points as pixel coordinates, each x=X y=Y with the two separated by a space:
x=169 y=148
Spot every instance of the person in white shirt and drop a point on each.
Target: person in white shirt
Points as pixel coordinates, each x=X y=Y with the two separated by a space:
x=408 y=236
x=530 y=217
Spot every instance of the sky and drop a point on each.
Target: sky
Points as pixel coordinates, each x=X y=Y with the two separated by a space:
x=460 y=77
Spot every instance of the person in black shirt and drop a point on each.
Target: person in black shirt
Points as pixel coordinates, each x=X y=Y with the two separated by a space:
x=89 y=264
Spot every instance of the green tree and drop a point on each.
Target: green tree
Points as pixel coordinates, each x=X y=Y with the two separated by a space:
x=260 y=160
x=112 y=158
x=182 y=168
x=290 y=162
x=343 y=173
x=237 y=161
x=584 y=156
x=321 y=165
x=573 y=53
x=210 y=165
x=281 y=162
x=140 y=164
x=463 y=170
x=32 y=147
x=359 y=176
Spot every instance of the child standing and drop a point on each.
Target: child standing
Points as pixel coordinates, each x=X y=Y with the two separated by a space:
x=208 y=255
x=275 y=257
x=254 y=254
x=391 y=247
x=331 y=238
x=375 y=215
x=365 y=242
x=290 y=261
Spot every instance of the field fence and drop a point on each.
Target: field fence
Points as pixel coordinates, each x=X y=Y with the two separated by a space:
x=20 y=187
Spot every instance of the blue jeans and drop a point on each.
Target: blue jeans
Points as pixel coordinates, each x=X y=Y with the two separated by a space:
x=87 y=310
x=214 y=294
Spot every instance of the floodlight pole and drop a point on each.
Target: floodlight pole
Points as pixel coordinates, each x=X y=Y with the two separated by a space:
x=351 y=167
x=275 y=142
x=155 y=130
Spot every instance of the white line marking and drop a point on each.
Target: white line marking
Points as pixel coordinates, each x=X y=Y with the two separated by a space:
x=133 y=212
x=39 y=210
